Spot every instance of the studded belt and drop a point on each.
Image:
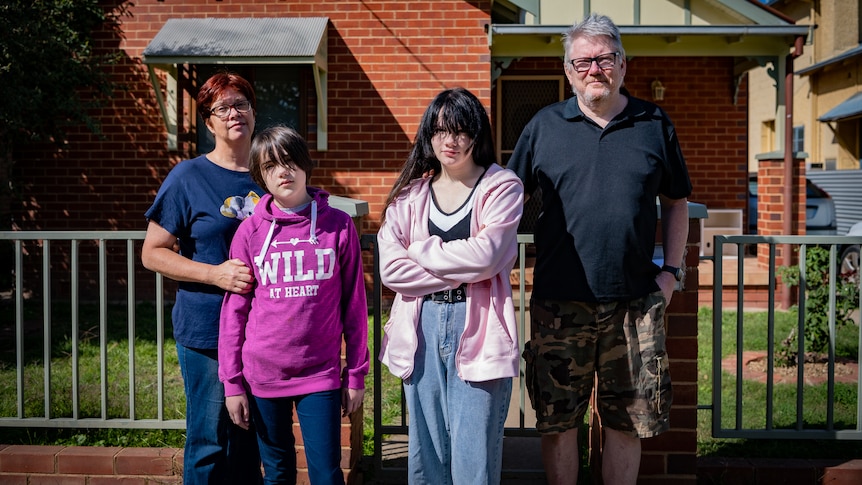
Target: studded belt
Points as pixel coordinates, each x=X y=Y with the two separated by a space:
x=449 y=296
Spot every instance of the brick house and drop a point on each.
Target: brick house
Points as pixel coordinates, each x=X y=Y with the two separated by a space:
x=371 y=69
x=354 y=76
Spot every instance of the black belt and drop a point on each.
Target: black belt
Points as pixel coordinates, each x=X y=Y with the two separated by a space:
x=449 y=296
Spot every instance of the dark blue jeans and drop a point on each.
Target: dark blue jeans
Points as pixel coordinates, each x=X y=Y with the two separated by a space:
x=216 y=450
x=319 y=416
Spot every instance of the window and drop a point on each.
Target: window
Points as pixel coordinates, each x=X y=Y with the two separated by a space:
x=518 y=99
x=798 y=139
x=767 y=136
x=280 y=92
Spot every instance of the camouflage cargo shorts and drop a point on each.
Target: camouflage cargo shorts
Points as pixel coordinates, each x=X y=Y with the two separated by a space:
x=619 y=345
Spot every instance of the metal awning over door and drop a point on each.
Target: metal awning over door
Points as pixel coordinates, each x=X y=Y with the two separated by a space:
x=242 y=41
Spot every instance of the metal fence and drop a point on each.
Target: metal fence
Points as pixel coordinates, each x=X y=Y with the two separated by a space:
x=733 y=401
x=110 y=264
x=99 y=267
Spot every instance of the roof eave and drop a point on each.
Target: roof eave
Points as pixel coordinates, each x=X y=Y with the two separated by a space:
x=518 y=40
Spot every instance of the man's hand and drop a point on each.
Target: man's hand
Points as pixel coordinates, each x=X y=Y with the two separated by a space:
x=667 y=283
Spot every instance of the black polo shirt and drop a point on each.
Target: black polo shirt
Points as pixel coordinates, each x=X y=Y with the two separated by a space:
x=596 y=232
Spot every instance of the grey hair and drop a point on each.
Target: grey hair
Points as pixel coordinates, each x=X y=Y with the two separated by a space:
x=595 y=25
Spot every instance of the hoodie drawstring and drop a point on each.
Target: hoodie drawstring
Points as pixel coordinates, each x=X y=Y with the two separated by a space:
x=312 y=237
x=258 y=260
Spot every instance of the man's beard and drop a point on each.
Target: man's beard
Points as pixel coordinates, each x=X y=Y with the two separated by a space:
x=591 y=96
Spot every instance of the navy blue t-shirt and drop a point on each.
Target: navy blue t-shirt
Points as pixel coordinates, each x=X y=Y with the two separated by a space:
x=596 y=231
x=202 y=205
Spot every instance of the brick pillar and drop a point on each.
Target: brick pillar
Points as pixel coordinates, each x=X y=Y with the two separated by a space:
x=672 y=456
x=771 y=209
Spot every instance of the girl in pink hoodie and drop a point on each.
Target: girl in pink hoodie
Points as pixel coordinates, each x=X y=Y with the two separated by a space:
x=280 y=345
x=447 y=244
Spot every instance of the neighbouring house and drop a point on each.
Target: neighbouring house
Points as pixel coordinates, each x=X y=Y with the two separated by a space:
x=827 y=95
x=826 y=131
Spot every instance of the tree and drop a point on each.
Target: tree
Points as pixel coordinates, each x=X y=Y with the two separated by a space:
x=49 y=78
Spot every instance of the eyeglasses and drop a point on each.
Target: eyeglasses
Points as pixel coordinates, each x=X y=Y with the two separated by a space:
x=223 y=111
x=604 y=61
x=441 y=134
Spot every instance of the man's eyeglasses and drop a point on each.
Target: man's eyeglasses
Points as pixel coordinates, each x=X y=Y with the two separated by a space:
x=604 y=61
x=460 y=137
x=223 y=111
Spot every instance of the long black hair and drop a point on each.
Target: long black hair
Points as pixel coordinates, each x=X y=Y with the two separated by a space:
x=454 y=110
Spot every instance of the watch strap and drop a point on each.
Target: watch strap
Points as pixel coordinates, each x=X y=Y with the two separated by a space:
x=675 y=271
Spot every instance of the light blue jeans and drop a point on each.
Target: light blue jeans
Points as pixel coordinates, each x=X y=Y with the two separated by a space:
x=216 y=450
x=455 y=427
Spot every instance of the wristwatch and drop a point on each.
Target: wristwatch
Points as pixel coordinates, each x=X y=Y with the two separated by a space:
x=677 y=273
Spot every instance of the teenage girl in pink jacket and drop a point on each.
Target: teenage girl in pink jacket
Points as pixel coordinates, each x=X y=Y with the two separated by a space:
x=447 y=244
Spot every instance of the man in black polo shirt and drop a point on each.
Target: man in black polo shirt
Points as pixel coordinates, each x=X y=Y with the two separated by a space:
x=601 y=159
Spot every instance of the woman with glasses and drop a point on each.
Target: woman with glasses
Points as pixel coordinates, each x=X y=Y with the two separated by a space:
x=447 y=244
x=190 y=226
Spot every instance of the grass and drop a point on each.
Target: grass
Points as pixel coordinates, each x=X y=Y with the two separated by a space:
x=146 y=359
x=784 y=413
x=89 y=376
x=145 y=377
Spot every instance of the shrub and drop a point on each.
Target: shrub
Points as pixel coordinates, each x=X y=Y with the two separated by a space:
x=817 y=296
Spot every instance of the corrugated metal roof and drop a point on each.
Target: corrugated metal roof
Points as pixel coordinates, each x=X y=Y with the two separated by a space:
x=843 y=186
x=224 y=40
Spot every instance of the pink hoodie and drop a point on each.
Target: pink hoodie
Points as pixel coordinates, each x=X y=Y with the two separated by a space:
x=413 y=264
x=284 y=338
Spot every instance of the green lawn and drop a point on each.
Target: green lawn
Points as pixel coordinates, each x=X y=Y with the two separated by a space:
x=755 y=397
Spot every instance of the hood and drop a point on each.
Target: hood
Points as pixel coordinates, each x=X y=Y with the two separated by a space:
x=268 y=211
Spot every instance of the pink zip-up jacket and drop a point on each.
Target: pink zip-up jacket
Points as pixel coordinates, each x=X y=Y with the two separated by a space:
x=413 y=264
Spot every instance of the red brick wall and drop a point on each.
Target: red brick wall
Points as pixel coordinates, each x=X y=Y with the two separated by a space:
x=387 y=59
x=710 y=118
